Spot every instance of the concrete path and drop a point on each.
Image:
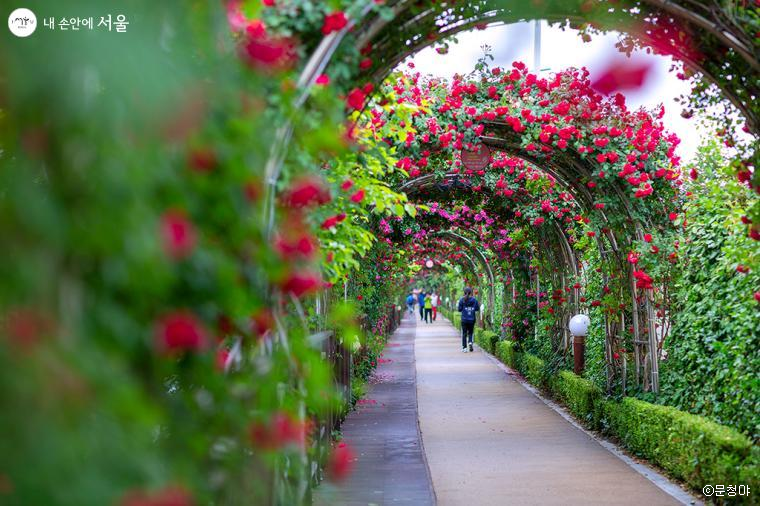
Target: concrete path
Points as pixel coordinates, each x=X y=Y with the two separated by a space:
x=390 y=467
x=489 y=441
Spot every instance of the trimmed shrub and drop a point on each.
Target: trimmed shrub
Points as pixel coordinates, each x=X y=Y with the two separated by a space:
x=533 y=368
x=456 y=320
x=487 y=340
x=691 y=447
x=580 y=396
x=505 y=351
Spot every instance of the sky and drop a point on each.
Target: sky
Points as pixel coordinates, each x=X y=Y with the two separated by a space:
x=561 y=49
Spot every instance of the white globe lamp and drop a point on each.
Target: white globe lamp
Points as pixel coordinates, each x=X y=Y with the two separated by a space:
x=579 y=328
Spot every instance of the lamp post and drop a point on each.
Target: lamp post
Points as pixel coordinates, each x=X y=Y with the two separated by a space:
x=579 y=328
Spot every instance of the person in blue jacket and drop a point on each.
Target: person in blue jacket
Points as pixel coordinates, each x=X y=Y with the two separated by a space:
x=468 y=306
x=410 y=303
x=421 y=302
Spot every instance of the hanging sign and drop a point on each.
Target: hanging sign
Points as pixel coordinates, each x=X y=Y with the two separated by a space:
x=476 y=160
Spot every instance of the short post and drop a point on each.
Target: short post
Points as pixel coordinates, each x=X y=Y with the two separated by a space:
x=579 y=328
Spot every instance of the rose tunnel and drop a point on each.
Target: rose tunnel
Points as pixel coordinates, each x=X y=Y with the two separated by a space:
x=209 y=223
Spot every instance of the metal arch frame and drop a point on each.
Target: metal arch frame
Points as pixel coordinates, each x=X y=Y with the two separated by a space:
x=481 y=258
x=569 y=179
x=472 y=264
x=322 y=55
x=499 y=15
x=641 y=348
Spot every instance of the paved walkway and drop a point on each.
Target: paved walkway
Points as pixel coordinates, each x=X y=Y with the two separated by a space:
x=390 y=467
x=489 y=441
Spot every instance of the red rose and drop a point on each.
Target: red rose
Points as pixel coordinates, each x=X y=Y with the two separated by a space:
x=222 y=355
x=177 y=234
x=334 y=22
x=346 y=185
x=365 y=64
x=306 y=191
x=648 y=237
x=355 y=99
x=264 y=52
x=303 y=246
x=179 y=331
x=301 y=283
x=341 y=463
x=202 y=160
x=622 y=76
x=358 y=196
x=333 y=221
x=323 y=80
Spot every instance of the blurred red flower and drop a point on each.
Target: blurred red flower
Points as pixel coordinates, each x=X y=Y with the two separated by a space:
x=358 y=196
x=266 y=52
x=302 y=246
x=333 y=221
x=262 y=322
x=355 y=99
x=25 y=326
x=168 y=496
x=281 y=429
x=177 y=234
x=642 y=279
x=333 y=22
x=202 y=159
x=620 y=76
x=306 y=191
x=180 y=331
x=341 y=463
x=301 y=283
x=222 y=355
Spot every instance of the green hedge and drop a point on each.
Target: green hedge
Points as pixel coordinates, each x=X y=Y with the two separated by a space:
x=505 y=351
x=486 y=339
x=456 y=320
x=580 y=396
x=690 y=447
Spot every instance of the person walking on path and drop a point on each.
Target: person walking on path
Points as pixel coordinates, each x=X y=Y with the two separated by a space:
x=434 y=303
x=468 y=306
x=421 y=301
x=410 y=303
x=429 y=309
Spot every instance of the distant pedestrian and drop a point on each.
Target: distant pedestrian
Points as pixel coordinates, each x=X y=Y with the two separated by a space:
x=410 y=303
x=429 y=309
x=434 y=303
x=421 y=302
x=468 y=306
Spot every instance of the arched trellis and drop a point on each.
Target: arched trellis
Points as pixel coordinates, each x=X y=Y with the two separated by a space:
x=735 y=79
x=411 y=20
x=410 y=23
x=570 y=171
x=482 y=259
